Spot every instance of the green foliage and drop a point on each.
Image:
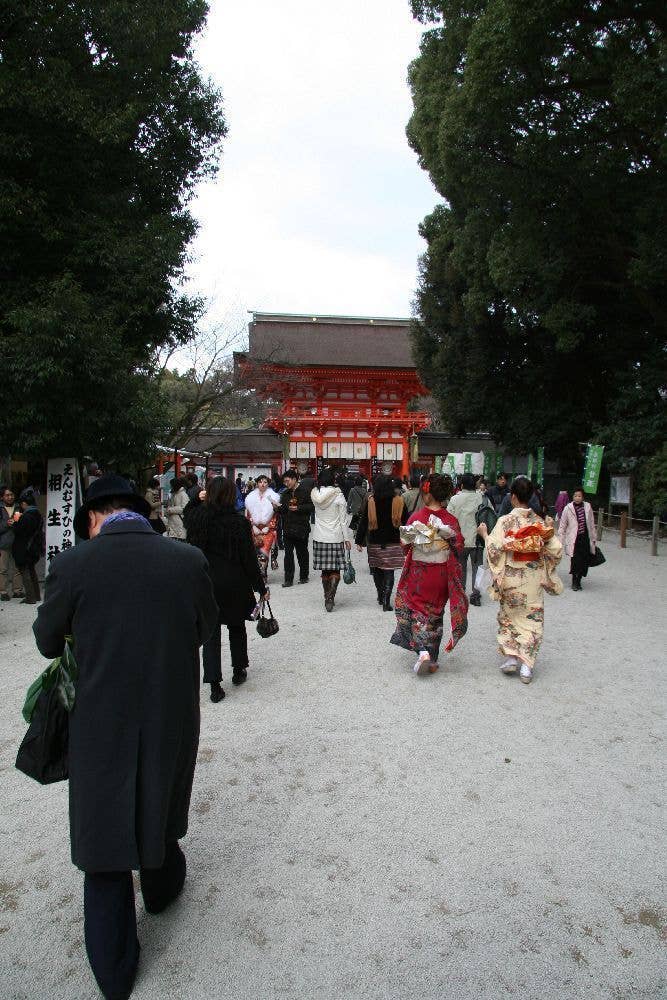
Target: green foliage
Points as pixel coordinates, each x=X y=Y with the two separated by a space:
x=651 y=488
x=106 y=126
x=542 y=292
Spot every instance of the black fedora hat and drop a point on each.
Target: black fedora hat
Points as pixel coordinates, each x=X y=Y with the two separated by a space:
x=104 y=488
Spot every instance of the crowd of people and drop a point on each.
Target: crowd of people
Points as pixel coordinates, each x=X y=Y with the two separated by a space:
x=134 y=730
x=475 y=522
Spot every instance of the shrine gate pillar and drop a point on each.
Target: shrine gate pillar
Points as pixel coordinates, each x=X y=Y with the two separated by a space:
x=405 y=467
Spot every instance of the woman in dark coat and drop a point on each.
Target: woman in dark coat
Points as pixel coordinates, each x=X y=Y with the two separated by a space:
x=379 y=525
x=27 y=546
x=225 y=538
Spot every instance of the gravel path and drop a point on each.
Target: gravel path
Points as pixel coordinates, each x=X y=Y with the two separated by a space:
x=358 y=831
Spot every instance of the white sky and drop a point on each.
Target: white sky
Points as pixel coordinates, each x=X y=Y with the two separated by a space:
x=317 y=203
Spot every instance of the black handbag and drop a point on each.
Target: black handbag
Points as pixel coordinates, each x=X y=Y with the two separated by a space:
x=267 y=626
x=43 y=754
x=596 y=558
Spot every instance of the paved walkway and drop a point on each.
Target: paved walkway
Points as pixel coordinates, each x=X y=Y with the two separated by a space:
x=360 y=832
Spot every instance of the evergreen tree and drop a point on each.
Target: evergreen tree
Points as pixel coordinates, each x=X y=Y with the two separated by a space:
x=106 y=125
x=541 y=303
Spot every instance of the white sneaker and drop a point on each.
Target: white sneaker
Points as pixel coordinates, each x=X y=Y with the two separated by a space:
x=510 y=666
x=526 y=674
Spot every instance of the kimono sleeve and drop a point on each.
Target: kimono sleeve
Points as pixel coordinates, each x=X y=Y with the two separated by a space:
x=495 y=553
x=55 y=614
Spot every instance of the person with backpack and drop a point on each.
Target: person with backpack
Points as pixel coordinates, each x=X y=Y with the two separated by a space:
x=411 y=497
x=28 y=545
x=463 y=506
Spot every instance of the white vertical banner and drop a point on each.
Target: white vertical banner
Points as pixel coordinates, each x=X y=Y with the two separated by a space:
x=63 y=498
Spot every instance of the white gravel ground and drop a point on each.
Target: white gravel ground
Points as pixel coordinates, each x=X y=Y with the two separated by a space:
x=359 y=832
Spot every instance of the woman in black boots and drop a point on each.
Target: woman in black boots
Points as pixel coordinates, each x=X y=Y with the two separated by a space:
x=331 y=533
x=378 y=527
x=225 y=538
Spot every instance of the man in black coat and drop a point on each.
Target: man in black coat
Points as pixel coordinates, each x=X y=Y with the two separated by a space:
x=138 y=606
x=296 y=507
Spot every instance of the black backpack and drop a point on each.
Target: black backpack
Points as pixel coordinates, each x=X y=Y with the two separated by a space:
x=485 y=514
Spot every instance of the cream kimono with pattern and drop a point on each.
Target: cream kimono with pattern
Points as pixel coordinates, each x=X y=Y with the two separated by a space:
x=520 y=586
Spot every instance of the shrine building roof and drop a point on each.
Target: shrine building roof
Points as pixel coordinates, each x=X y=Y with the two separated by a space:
x=330 y=341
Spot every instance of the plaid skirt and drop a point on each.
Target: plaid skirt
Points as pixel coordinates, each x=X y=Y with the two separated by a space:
x=329 y=555
x=386 y=556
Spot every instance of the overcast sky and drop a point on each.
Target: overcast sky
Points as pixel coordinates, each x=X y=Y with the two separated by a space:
x=317 y=203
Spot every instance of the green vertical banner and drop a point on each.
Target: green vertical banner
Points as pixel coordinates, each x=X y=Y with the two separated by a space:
x=592 y=466
x=499 y=462
x=487 y=464
x=467 y=462
x=438 y=463
x=531 y=464
x=452 y=466
x=540 y=466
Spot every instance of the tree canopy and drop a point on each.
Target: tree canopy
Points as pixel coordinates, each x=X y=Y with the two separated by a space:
x=541 y=300
x=106 y=126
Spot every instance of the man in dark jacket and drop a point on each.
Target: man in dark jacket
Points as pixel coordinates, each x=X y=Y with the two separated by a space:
x=296 y=508
x=498 y=492
x=27 y=545
x=138 y=606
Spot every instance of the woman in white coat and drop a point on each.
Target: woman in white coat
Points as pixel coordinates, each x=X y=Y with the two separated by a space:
x=331 y=533
x=576 y=531
x=177 y=504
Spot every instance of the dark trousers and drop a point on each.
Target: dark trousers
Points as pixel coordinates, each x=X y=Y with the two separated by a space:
x=212 y=652
x=30 y=582
x=300 y=546
x=473 y=554
x=110 y=923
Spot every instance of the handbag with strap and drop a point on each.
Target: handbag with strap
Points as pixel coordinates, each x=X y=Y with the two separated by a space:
x=43 y=754
x=596 y=558
x=349 y=574
x=267 y=625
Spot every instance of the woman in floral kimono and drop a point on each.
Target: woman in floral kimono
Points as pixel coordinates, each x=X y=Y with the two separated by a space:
x=523 y=554
x=431 y=576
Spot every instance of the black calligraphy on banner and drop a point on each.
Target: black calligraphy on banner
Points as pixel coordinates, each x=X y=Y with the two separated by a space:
x=63 y=499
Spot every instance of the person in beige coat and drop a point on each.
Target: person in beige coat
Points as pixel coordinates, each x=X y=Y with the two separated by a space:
x=576 y=531
x=177 y=504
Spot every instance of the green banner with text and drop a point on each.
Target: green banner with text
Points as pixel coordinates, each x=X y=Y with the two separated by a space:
x=592 y=467
x=540 y=466
x=467 y=462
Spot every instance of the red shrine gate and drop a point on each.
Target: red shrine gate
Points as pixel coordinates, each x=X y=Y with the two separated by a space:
x=343 y=386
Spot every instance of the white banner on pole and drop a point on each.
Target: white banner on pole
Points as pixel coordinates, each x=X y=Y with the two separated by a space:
x=63 y=498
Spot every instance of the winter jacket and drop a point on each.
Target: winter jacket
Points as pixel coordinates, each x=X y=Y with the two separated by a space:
x=331 y=520
x=568 y=527
x=28 y=538
x=6 y=528
x=385 y=533
x=225 y=538
x=464 y=507
x=296 y=523
x=178 y=503
x=138 y=606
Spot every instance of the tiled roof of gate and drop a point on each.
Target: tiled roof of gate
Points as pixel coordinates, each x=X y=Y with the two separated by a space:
x=338 y=341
